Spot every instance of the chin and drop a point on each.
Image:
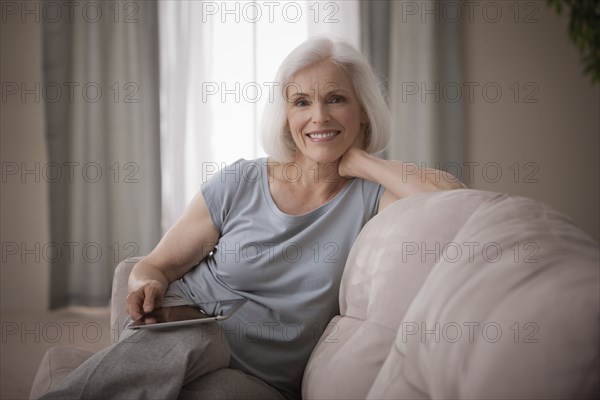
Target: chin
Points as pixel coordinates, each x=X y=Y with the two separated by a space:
x=324 y=158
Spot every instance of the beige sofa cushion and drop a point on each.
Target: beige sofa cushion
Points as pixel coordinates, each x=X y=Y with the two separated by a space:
x=518 y=321
x=433 y=259
x=379 y=282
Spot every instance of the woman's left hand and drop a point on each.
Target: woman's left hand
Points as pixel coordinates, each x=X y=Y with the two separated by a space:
x=398 y=178
x=350 y=162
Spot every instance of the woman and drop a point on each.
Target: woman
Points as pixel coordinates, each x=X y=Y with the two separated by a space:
x=276 y=231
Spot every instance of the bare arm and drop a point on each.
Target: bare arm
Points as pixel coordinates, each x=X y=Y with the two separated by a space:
x=398 y=178
x=185 y=244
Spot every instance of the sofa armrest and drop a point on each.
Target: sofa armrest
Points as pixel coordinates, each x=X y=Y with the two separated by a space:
x=118 y=314
x=57 y=364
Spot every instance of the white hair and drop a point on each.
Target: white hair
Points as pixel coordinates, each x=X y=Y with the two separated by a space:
x=278 y=143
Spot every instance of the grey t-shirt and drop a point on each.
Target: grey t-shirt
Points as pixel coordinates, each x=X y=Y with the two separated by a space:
x=288 y=266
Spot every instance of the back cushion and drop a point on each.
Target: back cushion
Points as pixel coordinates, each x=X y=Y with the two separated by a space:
x=516 y=317
x=386 y=268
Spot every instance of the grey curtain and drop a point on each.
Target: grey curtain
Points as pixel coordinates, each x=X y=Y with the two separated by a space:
x=102 y=128
x=375 y=36
x=419 y=58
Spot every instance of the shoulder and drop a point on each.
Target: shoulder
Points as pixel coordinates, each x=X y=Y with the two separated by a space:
x=369 y=189
x=362 y=197
x=371 y=193
x=233 y=185
x=237 y=172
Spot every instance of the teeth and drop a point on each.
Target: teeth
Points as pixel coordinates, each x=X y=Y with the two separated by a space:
x=322 y=135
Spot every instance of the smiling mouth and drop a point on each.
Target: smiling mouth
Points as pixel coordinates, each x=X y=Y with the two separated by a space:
x=322 y=134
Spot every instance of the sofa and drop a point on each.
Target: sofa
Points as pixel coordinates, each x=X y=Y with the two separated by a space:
x=450 y=294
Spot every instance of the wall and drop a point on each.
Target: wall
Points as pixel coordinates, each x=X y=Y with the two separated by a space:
x=540 y=137
x=23 y=199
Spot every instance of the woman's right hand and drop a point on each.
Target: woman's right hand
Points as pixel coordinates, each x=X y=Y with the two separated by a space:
x=145 y=299
x=186 y=243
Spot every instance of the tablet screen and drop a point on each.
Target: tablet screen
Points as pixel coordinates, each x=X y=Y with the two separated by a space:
x=187 y=314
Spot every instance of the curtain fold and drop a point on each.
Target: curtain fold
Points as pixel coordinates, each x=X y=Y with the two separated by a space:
x=375 y=36
x=103 y=144
x=426 y=85
x=416 y=51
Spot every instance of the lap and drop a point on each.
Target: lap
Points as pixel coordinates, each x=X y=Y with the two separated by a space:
x=148 y=364
x=180 y=362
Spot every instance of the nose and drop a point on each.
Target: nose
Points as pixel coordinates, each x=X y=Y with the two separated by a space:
x=320 y=113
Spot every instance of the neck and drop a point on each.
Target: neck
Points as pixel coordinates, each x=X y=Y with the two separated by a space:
x=322 y=178
x=312 y=173
x=300 y=186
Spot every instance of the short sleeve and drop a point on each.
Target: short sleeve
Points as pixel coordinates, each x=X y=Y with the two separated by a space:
x=372 y=193
x=219 y=192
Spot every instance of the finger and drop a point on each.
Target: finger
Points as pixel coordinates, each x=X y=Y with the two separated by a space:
x=149 y=298
x=134 y=305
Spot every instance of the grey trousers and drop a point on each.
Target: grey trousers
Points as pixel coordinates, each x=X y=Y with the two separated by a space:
x=186 y=362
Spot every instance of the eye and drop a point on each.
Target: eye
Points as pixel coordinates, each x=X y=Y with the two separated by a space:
x=336 y=99
x=301 y=103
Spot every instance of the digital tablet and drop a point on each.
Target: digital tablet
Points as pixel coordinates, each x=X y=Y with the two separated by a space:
x=189 y=314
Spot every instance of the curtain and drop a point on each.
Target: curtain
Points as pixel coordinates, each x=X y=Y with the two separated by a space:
x=186 y=43
x=375 y=38
x=415 y=49
x=426 y=90
x=102 y=128
x=150 y=108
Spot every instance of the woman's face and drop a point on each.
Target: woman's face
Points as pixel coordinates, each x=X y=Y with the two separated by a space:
x=324 y=114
